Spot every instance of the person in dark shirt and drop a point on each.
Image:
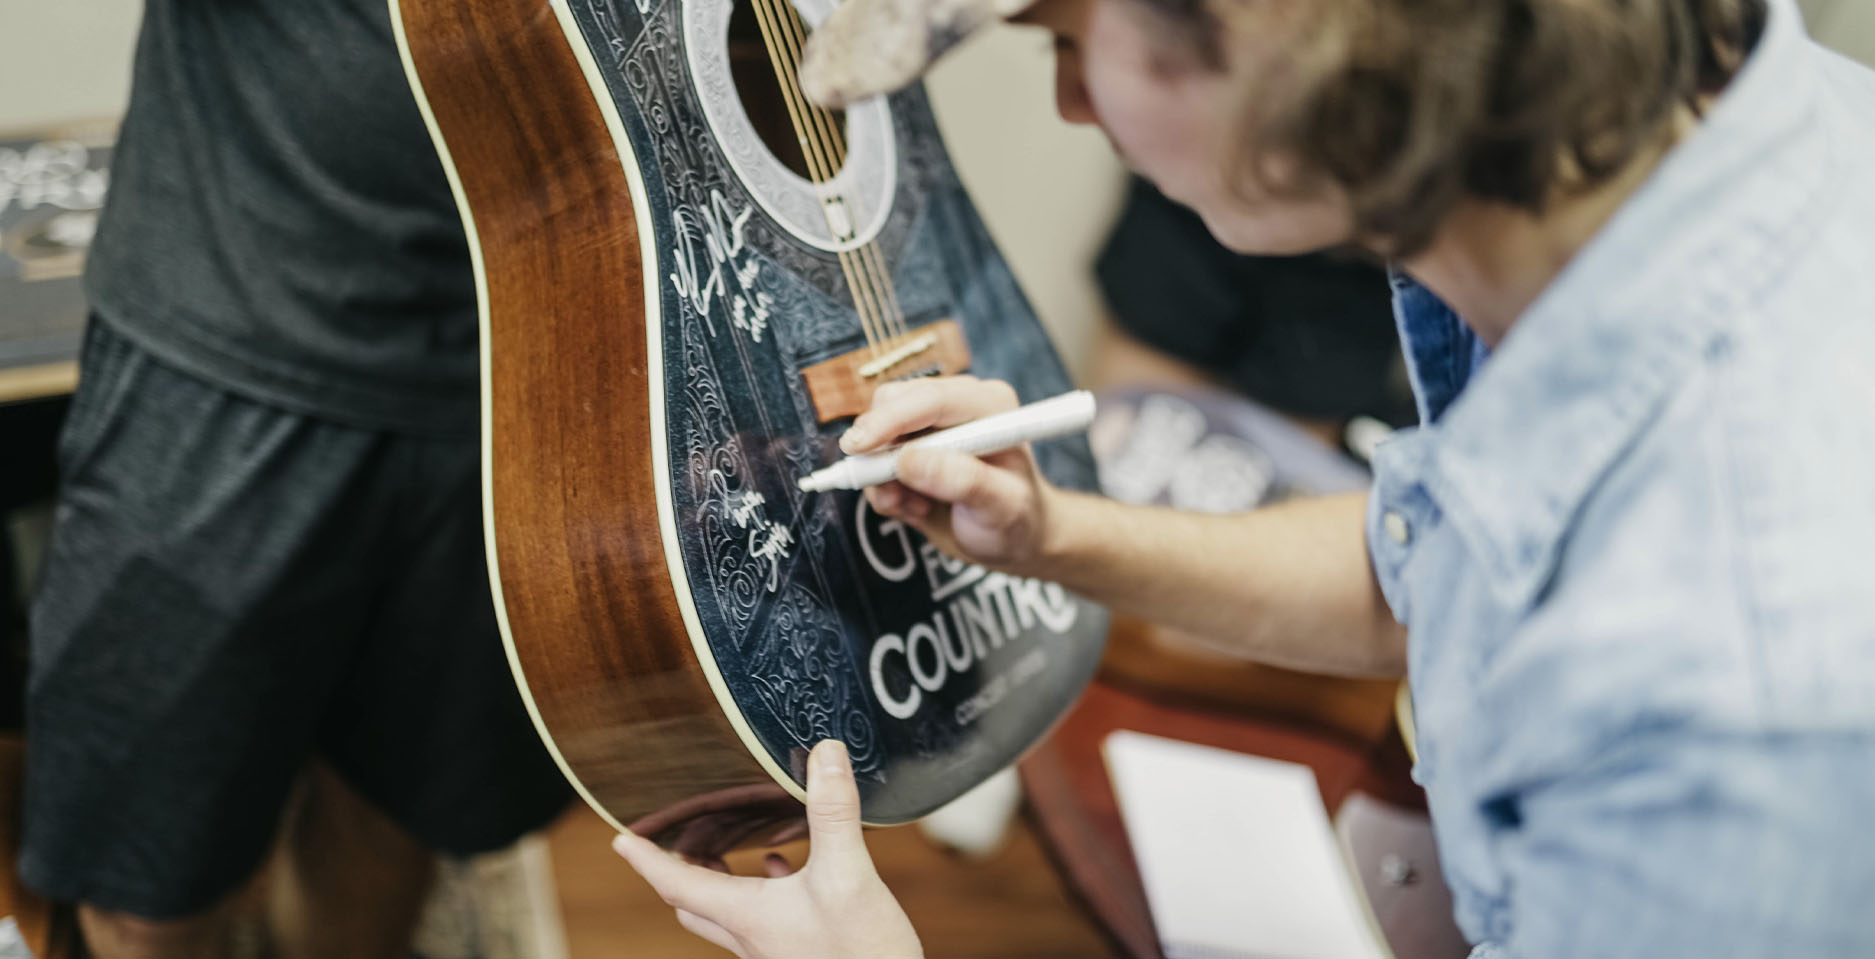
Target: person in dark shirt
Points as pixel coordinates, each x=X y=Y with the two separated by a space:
x=1311 y=336
x=265 y=599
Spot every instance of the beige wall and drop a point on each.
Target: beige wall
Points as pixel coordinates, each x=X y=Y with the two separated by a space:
x=1847 y=25
x=1047 y=190
x=64 y=59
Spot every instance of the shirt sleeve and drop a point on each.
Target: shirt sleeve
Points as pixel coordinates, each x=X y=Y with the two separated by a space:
x=1747 y=844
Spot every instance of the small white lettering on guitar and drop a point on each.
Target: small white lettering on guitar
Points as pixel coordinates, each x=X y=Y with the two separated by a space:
x=747 y=507
x=983 y=612
x=769 y=540
x=960 y=636
x=771 y=545
x=996 y=690
x=872 y=538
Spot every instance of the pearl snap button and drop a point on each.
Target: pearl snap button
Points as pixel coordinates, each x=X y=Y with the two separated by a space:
x=1396 y=527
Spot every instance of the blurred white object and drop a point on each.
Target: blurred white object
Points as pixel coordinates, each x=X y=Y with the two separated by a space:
x=1364 y=436
x=1236 y=854
x=976 y=822
x=498 y=905
x=12 y=944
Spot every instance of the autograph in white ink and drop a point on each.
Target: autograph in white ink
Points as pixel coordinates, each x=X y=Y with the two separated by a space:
x=768 y=540
x=774 y=549
x=726 y=262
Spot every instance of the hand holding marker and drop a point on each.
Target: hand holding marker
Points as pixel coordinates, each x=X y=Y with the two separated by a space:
x=1044 y=419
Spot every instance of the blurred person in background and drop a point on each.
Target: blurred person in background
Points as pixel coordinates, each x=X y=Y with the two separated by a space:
x=1309 y=337
x=265 y=611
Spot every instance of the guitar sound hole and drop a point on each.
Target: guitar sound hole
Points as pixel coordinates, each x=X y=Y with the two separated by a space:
x=764 y=102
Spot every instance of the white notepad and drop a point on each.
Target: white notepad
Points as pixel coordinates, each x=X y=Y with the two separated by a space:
x=1237 y=855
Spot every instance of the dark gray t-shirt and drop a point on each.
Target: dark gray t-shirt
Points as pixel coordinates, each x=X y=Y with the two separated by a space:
x=278 y=221
x=1311 y=336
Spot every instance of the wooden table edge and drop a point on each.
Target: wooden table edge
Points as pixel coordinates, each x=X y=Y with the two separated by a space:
x=42 y=381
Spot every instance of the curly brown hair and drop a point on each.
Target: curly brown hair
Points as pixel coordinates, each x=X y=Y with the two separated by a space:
x=1411 y=106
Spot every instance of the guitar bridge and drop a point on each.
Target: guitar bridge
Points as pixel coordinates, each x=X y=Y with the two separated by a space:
x=899 y=354
x=843 y=386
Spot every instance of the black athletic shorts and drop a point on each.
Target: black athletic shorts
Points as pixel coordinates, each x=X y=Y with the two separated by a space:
x=231 y=590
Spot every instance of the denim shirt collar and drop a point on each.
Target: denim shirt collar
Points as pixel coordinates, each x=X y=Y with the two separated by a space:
x=1511 y=448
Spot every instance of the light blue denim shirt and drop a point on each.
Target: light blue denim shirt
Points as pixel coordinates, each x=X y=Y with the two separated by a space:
x=1635 y=550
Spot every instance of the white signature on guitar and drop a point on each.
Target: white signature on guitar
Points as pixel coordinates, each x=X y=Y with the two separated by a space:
x=768 y=540
x=726 y=261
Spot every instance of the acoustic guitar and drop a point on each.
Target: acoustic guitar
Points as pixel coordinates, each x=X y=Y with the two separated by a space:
x=690 y=280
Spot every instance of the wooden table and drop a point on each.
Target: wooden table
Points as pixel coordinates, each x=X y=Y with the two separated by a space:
x=39 y=381
x=1341 y=729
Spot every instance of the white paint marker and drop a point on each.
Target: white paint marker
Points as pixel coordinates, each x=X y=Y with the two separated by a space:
x=1064 y=414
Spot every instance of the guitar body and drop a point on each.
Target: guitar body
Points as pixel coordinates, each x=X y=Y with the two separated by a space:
x=654 y=282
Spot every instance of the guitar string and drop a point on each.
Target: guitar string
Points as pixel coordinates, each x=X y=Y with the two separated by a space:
x=769 y=19
x=829 y=132
x=866 y=306
x=796 y=38
x=868 y=319
x=786 y=67
x=825 y=136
